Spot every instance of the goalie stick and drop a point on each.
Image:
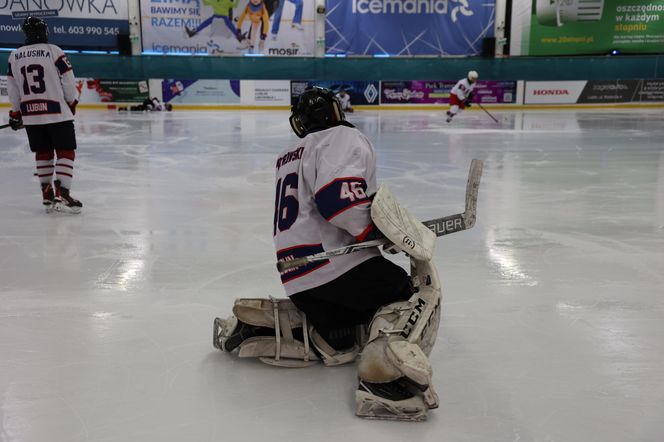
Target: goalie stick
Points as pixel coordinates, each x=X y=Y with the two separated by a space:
x=439 y=226
x=4 y=126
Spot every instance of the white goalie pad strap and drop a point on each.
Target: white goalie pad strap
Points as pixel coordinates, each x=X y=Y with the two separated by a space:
x=404 y=230
x=261 y=312
x=283 y=316
x=329 y=355
x=291 y=354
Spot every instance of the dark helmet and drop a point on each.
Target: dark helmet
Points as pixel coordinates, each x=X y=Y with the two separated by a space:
x=317 y=108
x=35 y=30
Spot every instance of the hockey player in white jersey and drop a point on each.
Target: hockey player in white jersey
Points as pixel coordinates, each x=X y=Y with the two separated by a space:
x=461 y=94
x=325 y=197
x=43 y=97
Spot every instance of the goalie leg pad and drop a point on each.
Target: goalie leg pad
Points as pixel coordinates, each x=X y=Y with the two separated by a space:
x=401 y=337
x=282 y=316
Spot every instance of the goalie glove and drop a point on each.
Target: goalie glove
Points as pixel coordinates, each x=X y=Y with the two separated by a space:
x=15 y=120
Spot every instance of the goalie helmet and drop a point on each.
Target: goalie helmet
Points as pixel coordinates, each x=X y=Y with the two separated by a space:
x=35 y=30
x=473 y=76
x=316 y=109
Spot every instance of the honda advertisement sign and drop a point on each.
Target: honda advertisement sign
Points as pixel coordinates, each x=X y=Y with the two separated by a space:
x=594 y=91
x=408 y=27
x=553 y=92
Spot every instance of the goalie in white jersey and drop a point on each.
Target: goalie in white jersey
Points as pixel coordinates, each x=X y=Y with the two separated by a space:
x=43 y=96
x=325 y=186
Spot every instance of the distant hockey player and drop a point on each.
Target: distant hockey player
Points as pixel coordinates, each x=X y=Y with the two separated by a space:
x=43 y=95
x=326 y=197
x=461 y=94
x=344 y=99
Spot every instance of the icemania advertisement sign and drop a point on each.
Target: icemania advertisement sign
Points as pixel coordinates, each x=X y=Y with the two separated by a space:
x=71 y=23
x=408 y=27
x=228 y=27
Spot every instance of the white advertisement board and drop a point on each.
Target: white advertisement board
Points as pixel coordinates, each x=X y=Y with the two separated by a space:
x=265 y=92
x=553 y=92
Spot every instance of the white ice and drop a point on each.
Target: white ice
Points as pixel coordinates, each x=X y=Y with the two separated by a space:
x=553 y=304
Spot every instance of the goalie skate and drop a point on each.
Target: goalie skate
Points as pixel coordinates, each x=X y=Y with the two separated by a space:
x=228 y=334
x=390 y=401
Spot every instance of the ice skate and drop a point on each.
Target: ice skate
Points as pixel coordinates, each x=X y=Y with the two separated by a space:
x=297 y=27
x=389 y=401
x=48 y=197
x=449 y=116
x=228 y=334
x=64 y=201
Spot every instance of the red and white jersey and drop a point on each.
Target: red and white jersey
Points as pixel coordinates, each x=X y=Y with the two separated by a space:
x=462 y=88
x=40 y=83
x=322 y=202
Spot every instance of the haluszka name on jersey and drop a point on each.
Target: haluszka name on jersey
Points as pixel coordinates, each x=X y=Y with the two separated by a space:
x=31 y=53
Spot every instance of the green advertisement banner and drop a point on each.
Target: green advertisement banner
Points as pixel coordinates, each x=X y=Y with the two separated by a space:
x=573 y=27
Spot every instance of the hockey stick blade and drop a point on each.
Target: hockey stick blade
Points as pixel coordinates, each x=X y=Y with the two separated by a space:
x=439 y=226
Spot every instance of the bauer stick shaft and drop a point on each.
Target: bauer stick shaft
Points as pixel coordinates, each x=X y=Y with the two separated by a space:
x=440 y=226
x=487 y=112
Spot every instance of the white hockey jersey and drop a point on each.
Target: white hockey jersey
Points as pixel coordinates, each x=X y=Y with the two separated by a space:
x=463 y=88
x=322 y=202
x=345 y=101
x=40 y=83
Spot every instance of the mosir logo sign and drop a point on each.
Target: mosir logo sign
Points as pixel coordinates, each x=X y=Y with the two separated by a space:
x=553 y=92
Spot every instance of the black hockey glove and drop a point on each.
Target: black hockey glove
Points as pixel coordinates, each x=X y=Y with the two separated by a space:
x=15 y=120
x=469 y=100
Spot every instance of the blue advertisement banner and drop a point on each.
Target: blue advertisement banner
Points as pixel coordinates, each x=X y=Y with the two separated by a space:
x=364 y=93
x=75 y=24
x=408 y=27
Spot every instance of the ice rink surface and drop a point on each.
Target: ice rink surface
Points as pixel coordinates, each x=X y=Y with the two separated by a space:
x=553 y=304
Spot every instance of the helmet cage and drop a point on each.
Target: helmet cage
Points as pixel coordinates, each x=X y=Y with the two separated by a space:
x=316 y=109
